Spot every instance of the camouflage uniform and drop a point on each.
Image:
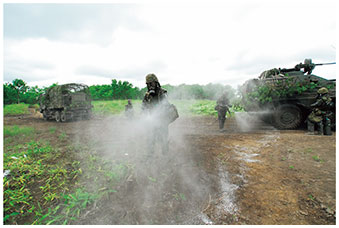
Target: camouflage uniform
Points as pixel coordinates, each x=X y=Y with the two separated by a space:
x=222 y=107
x=129 y=112
x=155 y=103
x=321 y=113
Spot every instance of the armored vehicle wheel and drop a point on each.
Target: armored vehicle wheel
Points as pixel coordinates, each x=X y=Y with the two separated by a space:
x=287 y=117
x=57 y=116
x=63 y=116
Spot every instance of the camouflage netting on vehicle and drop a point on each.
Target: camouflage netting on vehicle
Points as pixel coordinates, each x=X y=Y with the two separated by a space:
x=286 y=93
x=66 y=102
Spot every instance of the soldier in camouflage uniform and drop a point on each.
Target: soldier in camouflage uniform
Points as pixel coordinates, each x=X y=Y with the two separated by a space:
x=129 y=112
x=321 y=113
x=222 y=107
x=155 y=103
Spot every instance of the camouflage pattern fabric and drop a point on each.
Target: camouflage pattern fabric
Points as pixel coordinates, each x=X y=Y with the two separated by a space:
x=151 y=78
x=151 y=100
x=321 y=109
x=156 y=103
x=222 y=107
x=316 y=116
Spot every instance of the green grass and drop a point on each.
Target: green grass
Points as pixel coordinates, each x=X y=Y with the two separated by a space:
x=113 y=106
x=185 y=107
x=203 y=107
x=27 y=167
x=44 y=185
x=16 y=130
x=16 y=109
x=52 y=130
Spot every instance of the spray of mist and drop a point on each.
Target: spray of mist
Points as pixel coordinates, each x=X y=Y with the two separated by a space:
x=162 y=188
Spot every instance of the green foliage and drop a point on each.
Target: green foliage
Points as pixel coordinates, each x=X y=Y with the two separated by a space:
x=17 y=91
x=179 y=196
x=317 y=158
x=311 y=197
x=185 y=107
x=16 y=109
x=203 y=107
x=20 y=88
x=113 y=106
x=26 y=166
x=62 y=136
x=266 y=92
x=116 y=90
x=16 y=130
x=41 y=188
x=152 y=179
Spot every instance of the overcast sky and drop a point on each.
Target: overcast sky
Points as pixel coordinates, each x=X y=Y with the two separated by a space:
x=224 y=42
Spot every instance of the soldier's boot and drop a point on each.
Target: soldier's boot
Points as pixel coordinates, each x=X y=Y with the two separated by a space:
x=320 y=128
x=310 y=127
x=327 y=129
x=221 y=124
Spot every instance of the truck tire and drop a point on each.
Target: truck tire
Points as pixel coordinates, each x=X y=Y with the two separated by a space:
x=287 y=116
x=57 y=116
x=63 y=117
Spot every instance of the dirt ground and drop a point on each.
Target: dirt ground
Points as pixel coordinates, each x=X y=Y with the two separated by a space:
x=245 y=175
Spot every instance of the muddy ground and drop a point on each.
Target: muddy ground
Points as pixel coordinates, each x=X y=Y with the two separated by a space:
x=249 y=174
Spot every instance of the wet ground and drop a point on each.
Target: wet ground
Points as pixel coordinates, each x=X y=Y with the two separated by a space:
x=249 y=174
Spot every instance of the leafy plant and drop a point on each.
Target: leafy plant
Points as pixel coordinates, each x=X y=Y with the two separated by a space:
x=62 y=136
x=311 y=197
x=152 y=179
x=317 y=158
x=266 y=92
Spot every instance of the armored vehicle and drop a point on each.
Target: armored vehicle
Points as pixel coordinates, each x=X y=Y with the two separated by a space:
x=283 y=97
x=66 y=102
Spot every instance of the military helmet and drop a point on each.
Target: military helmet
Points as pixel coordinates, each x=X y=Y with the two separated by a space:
x=151 y=78
x=308 y=61
x=322 y=90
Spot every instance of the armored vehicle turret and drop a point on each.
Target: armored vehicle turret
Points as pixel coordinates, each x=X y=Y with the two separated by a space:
x=283 y=97
x=66 y=102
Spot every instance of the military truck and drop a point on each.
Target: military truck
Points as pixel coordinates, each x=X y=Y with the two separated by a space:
x=66 y=102
x=283 y=97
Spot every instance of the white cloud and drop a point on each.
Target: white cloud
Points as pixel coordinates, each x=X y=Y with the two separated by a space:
x=181 y=43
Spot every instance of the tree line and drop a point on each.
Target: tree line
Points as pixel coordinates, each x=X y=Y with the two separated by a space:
x=18 y=91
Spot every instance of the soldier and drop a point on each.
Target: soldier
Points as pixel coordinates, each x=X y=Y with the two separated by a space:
x=222 y=107
x=129 y=112
x=155 y=103
x=321 y=113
